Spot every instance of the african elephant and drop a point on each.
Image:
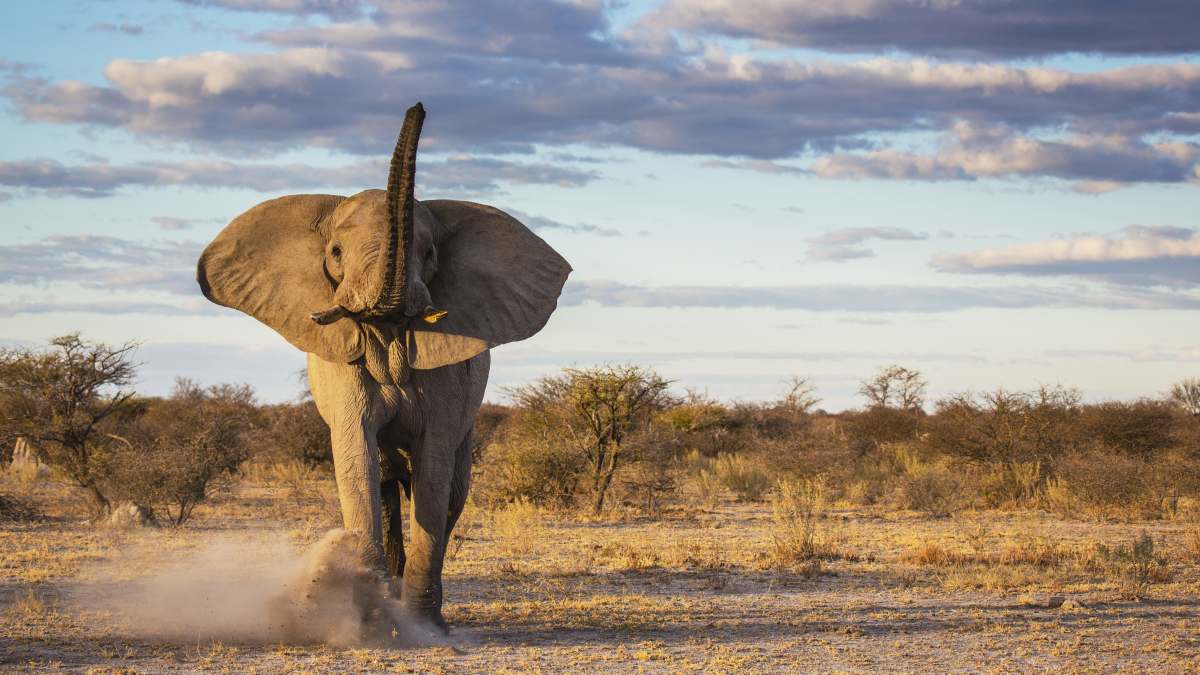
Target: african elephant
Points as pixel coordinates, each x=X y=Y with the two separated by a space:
x=397 y=303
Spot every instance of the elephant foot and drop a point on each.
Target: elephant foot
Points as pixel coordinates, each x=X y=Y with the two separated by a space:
x=428 y=618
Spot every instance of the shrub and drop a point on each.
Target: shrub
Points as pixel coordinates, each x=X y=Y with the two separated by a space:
x=530 y=466
x=701 y=424
x=936 y=489
x=1142 y=428
x=489 y=428
x=517 y=527
x=181 y=447
x=294 y=432
x=744 y=477
x=15 y=509
x=1007 y=427
x=880 y=425
x=796 y=512
x=1136 y=562
x=1011 y=484
x=651 y=472
x=594 y=412
x=1101 y=484
x=701 y=475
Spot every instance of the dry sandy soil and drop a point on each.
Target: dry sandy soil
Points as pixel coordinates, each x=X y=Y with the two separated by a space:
x=697 y=589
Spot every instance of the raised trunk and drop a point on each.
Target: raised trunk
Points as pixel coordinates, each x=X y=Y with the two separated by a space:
x=392 y=283
x=388 y=290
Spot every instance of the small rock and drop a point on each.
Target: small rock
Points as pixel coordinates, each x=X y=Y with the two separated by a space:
x=1055 y=601
x=129 y=515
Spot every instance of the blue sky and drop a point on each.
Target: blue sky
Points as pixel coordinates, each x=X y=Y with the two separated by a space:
x=998 y=193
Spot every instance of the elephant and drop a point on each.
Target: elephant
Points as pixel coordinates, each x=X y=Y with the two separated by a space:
x=397 y=303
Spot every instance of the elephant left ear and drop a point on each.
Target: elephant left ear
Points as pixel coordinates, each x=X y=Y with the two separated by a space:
x=498 y=281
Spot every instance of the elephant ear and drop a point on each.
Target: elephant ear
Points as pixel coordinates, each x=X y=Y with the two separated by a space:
x=497 y=279
x=269 y=263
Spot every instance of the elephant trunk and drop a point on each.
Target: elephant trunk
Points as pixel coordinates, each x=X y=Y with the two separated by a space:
x=389 y=289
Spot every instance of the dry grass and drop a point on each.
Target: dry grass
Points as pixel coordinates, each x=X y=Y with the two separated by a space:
x=735 y=587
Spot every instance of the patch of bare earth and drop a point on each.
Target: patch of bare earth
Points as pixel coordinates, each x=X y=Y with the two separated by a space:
x=694 y=590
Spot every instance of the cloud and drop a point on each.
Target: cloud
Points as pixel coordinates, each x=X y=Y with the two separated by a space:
x=541 y=223
x=552 y=32
x=844 y=244
x=485 y=175
x=1099 y=163
x=501 y=77
x=759 y=165
x=838 y=253
x=172 y=223
x=53 y=306
x=870 y=298
x=126 y=28
x=330 y=8
x=973 y=28
x=103 y=262
x=1137 y=256
x=858 y=235
x=474 y=175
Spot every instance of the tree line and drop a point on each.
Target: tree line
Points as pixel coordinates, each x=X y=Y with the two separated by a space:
x=618 y=436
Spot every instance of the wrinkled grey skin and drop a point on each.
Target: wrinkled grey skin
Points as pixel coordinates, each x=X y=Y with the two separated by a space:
x=398 y=373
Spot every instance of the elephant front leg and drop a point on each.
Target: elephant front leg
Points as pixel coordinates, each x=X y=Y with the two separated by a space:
x=356 y=468
x=351 y=404
x=422 y=591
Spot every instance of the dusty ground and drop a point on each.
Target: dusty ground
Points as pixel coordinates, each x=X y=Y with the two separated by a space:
x=698 y=589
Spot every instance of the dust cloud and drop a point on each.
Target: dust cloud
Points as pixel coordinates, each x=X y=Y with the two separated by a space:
x=244 y=589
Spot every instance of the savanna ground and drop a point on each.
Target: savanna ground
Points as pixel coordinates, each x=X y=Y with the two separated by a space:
x=696 y=588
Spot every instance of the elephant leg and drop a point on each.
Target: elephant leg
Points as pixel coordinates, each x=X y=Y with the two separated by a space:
x=422 y=593
x=350 y=405
x=460 y=484
x=449 y=400
x=393 y=528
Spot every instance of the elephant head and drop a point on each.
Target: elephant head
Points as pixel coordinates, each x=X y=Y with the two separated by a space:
x=439 y=281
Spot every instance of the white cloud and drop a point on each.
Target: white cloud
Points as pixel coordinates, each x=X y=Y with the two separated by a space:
x=1136 y=256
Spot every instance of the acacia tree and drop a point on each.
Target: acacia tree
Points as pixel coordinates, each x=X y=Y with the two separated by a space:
x=596 y=411
x=1186 y=394
x=801 y=396
x=894 y=387
x=895 y=396
x=62 y=399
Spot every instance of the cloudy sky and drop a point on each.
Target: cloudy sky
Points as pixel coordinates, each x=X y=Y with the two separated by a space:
x=997 y=192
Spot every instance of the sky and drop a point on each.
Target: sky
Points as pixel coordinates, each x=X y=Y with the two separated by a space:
x=998 y=193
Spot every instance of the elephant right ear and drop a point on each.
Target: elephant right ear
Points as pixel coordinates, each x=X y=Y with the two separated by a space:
x=269 y=263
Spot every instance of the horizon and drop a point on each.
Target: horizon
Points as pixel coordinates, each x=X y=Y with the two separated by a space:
x=745 y=196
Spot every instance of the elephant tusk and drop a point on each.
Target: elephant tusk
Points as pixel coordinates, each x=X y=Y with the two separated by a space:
x=330 y=315
x=432 y=315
